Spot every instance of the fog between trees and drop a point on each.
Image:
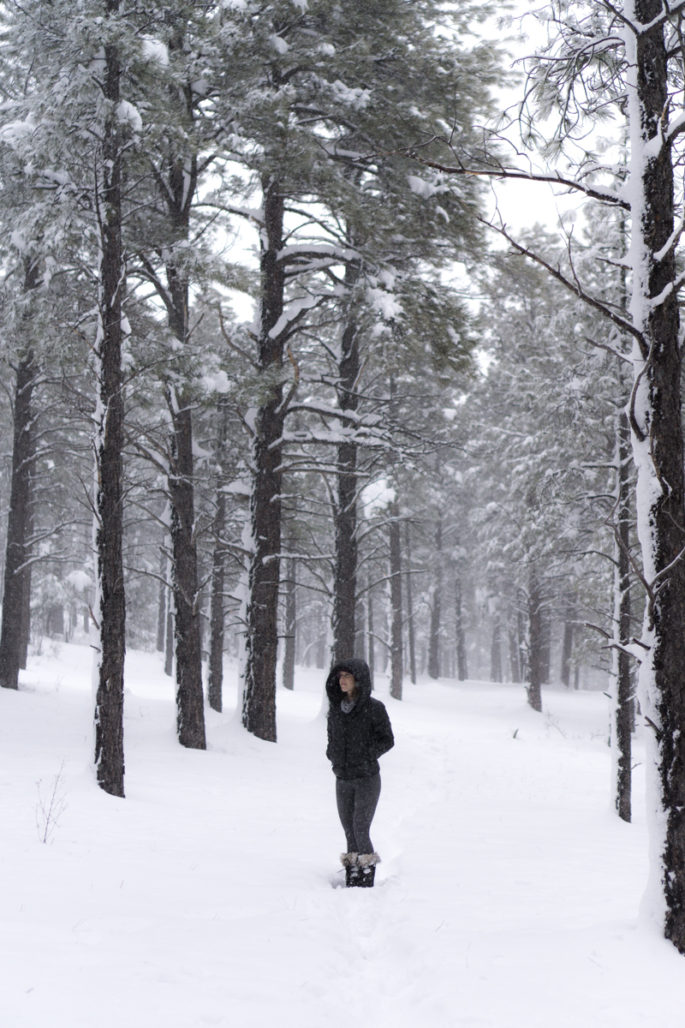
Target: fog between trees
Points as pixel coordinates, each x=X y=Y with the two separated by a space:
x=419 y=449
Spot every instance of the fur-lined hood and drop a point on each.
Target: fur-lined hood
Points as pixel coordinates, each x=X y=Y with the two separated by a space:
x=362 y=676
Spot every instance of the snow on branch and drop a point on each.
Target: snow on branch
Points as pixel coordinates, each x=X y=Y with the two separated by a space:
x=641 y=28
x=293 y=313
x=503 y=172
x=573 y=286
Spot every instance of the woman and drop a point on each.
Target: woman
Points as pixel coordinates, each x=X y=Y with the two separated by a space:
x=359 y=732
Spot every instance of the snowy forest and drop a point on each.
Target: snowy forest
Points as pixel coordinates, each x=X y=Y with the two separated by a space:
x=287 y=378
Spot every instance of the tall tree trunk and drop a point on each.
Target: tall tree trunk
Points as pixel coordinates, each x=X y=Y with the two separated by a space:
x=522 y=633
x=656 y=425
x=177 y=180
x=290 y=625
x=436 y=607
x=261 y=639
x=16 y=584
x=26 y=597
x=169 y=641
x=190 y=719
x=216 y=601
x=395 y=603
x=546 y=644
x=370 y=630
x=514 y=648
x=111 y=604
x=411 y=637
x=535 y=641
x=345 y=580
x=623 y=714
x=496 y=649
x=462 y=660
x=567 y=642
x=215 y=679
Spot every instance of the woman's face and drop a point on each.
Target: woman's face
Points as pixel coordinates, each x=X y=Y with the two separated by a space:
x=346 y=682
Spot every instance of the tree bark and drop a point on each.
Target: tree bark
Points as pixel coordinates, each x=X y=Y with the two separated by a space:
x=514 y=648
x=567 y=643
x=411 y=636
x=370 y=630
x=345 y=580
x=655 y=415
x=16 y=584
x=261 y=639
x=176 y=177
x=546 y=644
x=535 y=641
x=462 y=660
x=111 y=604
x=290 y=625
x=169 y=641
x=216 y=614
x=395 y=603
x=623 y=713
x=436 y=607
x=496 y=649
x=190 y=720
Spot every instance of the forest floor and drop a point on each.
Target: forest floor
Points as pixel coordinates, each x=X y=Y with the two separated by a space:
x=509 y=893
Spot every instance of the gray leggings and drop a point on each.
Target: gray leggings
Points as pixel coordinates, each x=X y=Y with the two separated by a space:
x=357 y=799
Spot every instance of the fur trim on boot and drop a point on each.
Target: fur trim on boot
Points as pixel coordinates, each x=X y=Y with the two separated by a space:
x=367 y=864
x=350 y=861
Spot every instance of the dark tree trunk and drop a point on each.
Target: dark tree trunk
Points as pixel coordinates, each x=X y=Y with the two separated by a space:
x=261 y=641
x=370 y=630
x=657 y=442
x=111 y=605
x=535 y=641
x=546 y=644
x=624 y=699
x=567 y=643
x=190 y=718
x=521 y=632
x=395 y=603
x=462 y=660
x=345 y=581
x=290 y=641
x=496 y=650
x=514 y=649
x=411 y=637
x=216 y=608
x=215 y=679
x=26 y=599
x=177 y=181
x=436 y=607
x=169 y=641
x=359 y=628
x=16 y=584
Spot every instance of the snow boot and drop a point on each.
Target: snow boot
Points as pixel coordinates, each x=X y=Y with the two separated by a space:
x=352 y=870
x=367 y=865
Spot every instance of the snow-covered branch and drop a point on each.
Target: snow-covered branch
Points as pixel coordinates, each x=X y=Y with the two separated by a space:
x=574 y=287
x=501 y=172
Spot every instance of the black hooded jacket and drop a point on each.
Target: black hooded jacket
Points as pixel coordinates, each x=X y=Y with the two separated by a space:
x=356 y=740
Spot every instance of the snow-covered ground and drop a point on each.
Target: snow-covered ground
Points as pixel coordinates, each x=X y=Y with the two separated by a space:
x=508 y=895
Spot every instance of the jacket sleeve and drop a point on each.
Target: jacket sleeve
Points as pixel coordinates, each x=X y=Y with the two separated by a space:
x=383 y=738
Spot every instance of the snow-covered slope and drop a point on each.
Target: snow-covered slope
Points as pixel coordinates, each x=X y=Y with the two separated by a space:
x=508 y=894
